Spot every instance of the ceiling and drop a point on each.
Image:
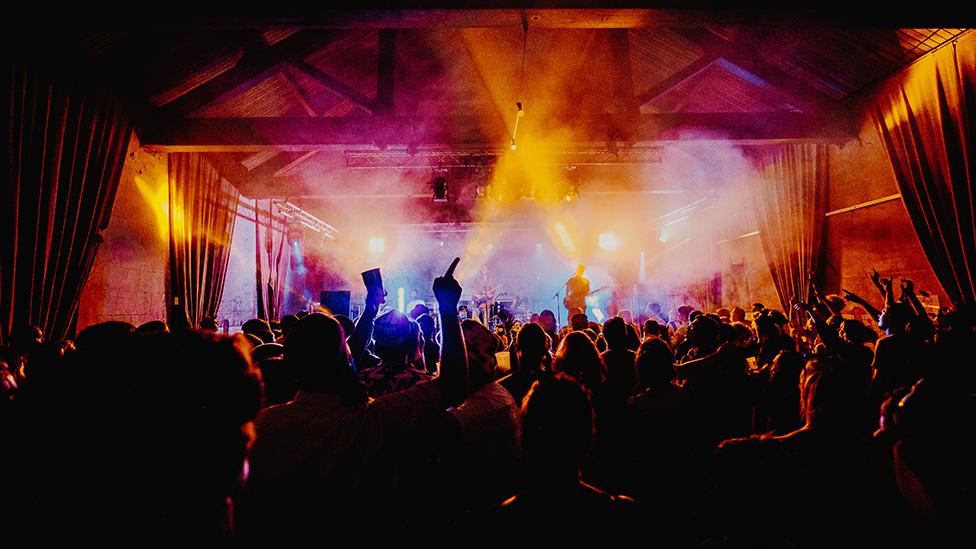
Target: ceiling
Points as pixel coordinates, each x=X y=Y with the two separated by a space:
x=314 y=103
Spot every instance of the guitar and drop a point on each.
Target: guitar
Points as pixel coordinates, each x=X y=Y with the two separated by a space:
x=486 y=295
x=580 y=300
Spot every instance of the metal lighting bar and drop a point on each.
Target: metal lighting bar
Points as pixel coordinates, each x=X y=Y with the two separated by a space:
x=305 y=219
x=406 y=160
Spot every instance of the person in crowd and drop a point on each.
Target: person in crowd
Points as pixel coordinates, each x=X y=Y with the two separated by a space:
x=136 y=439
x=432 y=349
x=485 y=425
x=534 y=360
x=557 y=431
x=660 y=426
x=764 y=482
x=399 y=348
x=547 y=319
x=324 y=461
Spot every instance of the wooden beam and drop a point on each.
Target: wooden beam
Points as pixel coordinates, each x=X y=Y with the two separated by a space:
x=741 y=53
x=333 y=84
x=386 y=72
x=539 y=14
x=304 y=134
x=304 y=99
x=255 y=67
x=622 y=73
x=692 y=70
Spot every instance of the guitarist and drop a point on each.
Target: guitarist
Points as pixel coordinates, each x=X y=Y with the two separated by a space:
x=577 y=288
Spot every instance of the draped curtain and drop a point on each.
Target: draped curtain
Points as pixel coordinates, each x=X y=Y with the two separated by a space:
x=202 y=211
x=273 y=258
x=790 y=202
x=927 y=121
x=64 y=145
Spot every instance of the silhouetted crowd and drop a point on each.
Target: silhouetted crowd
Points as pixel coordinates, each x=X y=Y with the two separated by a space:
x=804 y=428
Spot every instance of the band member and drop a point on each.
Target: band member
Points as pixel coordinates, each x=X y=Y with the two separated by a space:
x=484 y=296
x=577 y=288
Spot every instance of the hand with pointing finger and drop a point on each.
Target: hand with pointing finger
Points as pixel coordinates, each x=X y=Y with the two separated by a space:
x=446 y=288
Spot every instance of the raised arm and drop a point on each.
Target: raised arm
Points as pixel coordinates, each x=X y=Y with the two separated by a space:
x=888 y=290
x=854 y=298
x=359 y=339
x=453 y=376
x=828 y=335
x=908 y=296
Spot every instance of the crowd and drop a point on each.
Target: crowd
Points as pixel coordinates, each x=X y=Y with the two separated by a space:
x=803 y=428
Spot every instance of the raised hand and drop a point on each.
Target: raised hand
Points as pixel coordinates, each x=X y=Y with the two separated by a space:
x=446 y=288
x=886 y=282
x=907 y=286
x=375 y=297
x=875 y=277
x=851 y=296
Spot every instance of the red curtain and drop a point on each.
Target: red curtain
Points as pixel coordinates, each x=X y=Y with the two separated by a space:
x=927 y=121
x=65 y=144
x=273 y=255
x=202 y=211
x=790 y=202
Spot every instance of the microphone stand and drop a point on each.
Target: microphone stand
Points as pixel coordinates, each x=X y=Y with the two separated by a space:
x=558 y=308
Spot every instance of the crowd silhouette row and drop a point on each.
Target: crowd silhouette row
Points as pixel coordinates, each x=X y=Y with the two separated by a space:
x=714 y=429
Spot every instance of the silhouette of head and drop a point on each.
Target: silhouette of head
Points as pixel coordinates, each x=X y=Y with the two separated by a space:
x=481 y=345
x=104 y=334
x=548 y=320
x=397 y=338
x=578 y=357
x=615 y=332
x=347 y=324
x=152 y=327
x=579 y=321
x=655 y=363
x=318 y=355
x=531 y=344
x=895 y=318
x=557 y=427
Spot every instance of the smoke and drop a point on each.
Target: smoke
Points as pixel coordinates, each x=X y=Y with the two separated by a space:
x=537 y=219
x=527 y=215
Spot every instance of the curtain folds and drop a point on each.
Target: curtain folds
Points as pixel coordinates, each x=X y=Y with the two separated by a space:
x=65 y=144
x=790 y=202
x=927 y=122
x=202 y=211
x=273 y=254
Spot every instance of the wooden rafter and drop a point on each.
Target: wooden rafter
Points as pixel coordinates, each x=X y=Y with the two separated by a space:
x=257 y=65
x=304 y=134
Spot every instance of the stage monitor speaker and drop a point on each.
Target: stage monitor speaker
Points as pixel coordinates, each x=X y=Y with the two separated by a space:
x=337 y=302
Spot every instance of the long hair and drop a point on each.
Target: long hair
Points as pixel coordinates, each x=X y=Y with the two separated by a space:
x=578 y=357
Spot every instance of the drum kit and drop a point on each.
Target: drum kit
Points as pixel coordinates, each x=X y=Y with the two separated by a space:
x=499 y=308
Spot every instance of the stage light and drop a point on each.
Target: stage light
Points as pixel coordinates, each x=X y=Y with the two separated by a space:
x=642 y=274
x=377 y=245
x=439 y=185
x=538 y=246
x=599 y=315
x=400 y=299
x=591 y=299
x=608 y=241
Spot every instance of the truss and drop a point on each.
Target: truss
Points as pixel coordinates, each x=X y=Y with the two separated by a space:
x=406 y=160
x=296 y=214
